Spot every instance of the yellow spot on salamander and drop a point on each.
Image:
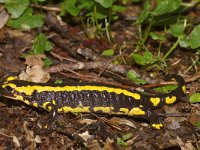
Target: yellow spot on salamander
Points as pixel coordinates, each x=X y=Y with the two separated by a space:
x=44 y=105
x=170 y=100
x=27 y=102
x=106 y=110
x=9 y=84
x=184 y=89
x=46 y=126
x=136 y=111
x=123 y=111
x=54 y=102
x=11 y=78
x=157 y=126
x=66 y=109
x=35 y=104
x=155 y=100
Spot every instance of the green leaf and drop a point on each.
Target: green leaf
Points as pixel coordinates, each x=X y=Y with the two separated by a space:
x=26 y=21
x=138 y=59
x=194 y=38
x=41 y=44
x=127 y=136
x=108 y=52
x=145 y=13
x=145 y=59
x=156 y=36
x=86 y=5
x=47 y=62
x=195 y=98
x=70 y=7
x=118 y=8
x=105 y=3
x=121 y=142
x=184 y=43
x=58 y=81
x=198 y=124
x=177 y=30
x=16 y=7
x=134 y=77
x=166 y=6
x=166 y=88
x=165 y=20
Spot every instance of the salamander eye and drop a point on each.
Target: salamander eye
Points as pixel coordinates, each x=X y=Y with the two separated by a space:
x=9 y=88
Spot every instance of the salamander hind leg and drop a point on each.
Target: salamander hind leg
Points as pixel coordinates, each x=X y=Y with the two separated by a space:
x=152 y=117
x=155 y=120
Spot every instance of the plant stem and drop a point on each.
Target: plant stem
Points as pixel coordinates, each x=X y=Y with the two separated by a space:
x=171 y=49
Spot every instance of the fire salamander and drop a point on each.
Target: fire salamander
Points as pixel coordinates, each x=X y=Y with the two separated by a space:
x=91 y=98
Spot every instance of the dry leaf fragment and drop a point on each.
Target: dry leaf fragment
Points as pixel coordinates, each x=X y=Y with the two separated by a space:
x=173 y=123
x=35 y=74
x=16 y=141
x=183 y=145
x=4 y=16
x=122 y=121
x=194 y=115
x=85 y=135
x=35 y=60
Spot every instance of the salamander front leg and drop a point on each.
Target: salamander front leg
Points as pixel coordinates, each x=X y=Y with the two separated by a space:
x=52 y=117
x=51 y=125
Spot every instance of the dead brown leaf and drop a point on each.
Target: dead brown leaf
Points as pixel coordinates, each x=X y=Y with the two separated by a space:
x=35 y=74
x=35 y=60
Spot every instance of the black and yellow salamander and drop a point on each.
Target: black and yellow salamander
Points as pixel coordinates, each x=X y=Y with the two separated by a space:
x=91 y=98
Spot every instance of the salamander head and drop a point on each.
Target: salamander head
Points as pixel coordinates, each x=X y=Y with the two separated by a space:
x=8 y=89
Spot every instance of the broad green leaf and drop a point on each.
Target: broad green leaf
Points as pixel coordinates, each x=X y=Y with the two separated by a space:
x=127 y=136
x=16 y=7
x=58 y=81
x=138 y=59
x=184 y=43
x=145 y=59
x=105 y=3
x=195 y=98
x=166 y=6
x=177 y=30
x=148 y=56
x=134 y=77
x=41 y=44
x=26 y=21
x=194 y=38
x=118 y=8
x=47 y=62
x=70 y=7
x=198 y=124
x=108 y=52
x=165 y=20
x=101 y=12
x=86 y=5
x=166 y=88
x=145 y=13
x=156 y=36
x=121 y=142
